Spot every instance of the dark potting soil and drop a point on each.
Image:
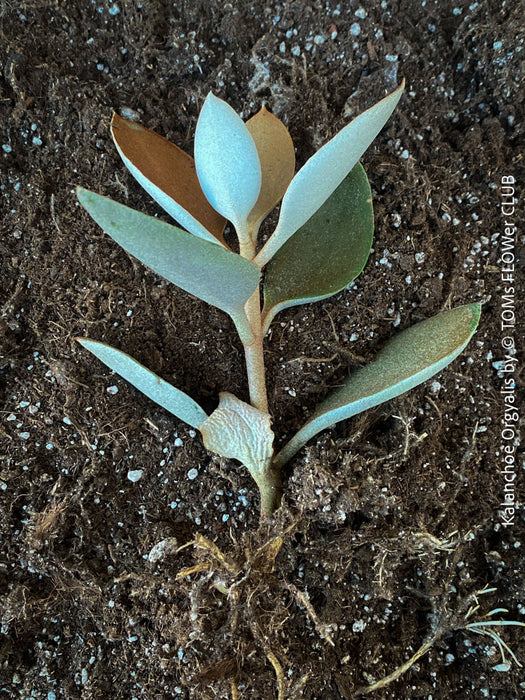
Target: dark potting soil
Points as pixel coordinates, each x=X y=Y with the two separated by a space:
x=392 y=530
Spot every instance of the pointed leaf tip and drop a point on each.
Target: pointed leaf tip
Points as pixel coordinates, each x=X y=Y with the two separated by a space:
x=168 y=174
x=227 y=161
x=277 y=156
x=173 y=400
x=325 y=170
x=410 y=358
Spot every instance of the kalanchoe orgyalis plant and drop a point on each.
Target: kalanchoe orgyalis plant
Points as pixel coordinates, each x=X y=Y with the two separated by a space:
x=321 y=243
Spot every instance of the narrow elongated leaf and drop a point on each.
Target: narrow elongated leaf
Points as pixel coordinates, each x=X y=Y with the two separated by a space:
x=227 y=162
x=208 y=271
x=168 y=174
x=409 y=359
x=277 y=155
x=320 y=175
x=326 y=253
x=155 y=388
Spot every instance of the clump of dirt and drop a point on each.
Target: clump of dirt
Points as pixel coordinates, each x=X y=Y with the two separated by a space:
x=391 y=533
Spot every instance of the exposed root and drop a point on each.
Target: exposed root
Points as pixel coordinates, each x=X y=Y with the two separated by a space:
x=297 y=688
x=272 y=658
x=279 y=673
x=366 y=690
x=205 y=566
x=202 y=542
x=446 y=624
x=409 y=434
x=322 y=629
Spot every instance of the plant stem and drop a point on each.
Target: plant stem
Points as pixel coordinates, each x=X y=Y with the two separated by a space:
x=254 y=351
x=271 y=492
x=269 y=481
x=254 y=357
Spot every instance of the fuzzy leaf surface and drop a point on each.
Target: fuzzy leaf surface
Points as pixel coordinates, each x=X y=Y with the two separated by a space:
x=326 y=253
x=410 y=358
x=201 y=268
x=227 y=162
x=325 y=170
x=277 y=156
x=146 y=381
x=236 y=430
x=168 y=174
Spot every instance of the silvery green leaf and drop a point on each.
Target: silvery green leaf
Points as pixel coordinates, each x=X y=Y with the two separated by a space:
x=325 y=170
x=155 y=388
x=208 y=271
x=326 y=253
x=227 y=162
x=410 y=358
x=168 y=174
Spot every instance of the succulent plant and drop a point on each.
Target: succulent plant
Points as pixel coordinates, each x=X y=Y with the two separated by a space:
x=321 y=243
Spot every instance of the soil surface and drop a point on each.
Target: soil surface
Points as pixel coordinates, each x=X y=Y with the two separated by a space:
x=392 y=535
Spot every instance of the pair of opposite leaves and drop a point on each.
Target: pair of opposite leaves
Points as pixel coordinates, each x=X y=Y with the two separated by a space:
x=325 y=228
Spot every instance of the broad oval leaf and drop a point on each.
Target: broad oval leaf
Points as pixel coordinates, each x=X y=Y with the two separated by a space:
x=326 y=253
x=277 y=156
x=320 y=175
x=146 y=381
x=168 y=174
x=227 y=162
x=206 y=270
x=410 y=358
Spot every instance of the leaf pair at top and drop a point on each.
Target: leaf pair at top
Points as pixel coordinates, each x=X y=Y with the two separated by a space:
x=241 y=171
x=244 y=169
